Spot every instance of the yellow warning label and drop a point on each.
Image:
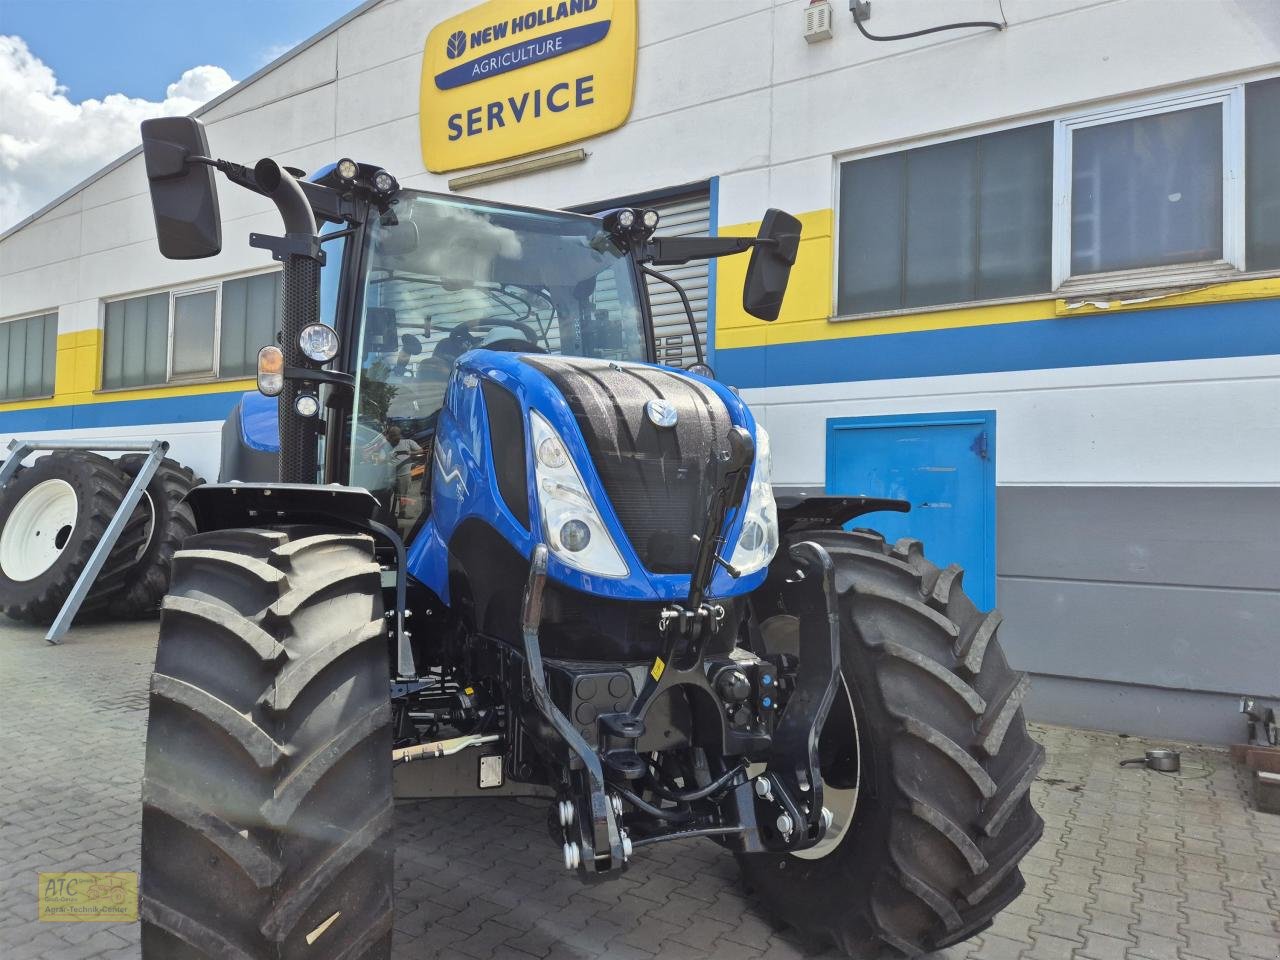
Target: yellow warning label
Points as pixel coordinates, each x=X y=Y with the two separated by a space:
x=469 y=691
x=656 y=670
x=88 y=896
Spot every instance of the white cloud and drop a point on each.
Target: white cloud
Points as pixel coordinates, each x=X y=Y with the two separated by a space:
x=49 y=144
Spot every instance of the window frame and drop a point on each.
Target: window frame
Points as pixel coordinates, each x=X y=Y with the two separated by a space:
x=212 y=374
x=171 y=379
x=1233 y=266
x=1230 y=265
x=56 y=313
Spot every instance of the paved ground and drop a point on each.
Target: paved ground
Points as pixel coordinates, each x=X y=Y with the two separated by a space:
x=1133 y=864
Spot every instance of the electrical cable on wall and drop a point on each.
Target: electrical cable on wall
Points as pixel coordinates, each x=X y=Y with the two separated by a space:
x=862 y=10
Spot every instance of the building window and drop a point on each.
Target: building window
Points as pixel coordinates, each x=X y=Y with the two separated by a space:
x=1149 y=195
x=194 y=334
x=250 y=319
x=190 y=334
x=958 y=221
x=135 y=349
x=1262 y=175
x=1140 y=197
x=28 y=350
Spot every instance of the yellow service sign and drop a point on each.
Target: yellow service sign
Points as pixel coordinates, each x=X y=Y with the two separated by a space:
x=509 y=78
x=89 y=896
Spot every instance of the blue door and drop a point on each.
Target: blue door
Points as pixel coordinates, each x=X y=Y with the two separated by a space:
x=944 y=464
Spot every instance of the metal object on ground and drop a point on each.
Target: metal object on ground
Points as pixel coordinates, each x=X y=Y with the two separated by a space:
x=155 y=449
x=1163 y=761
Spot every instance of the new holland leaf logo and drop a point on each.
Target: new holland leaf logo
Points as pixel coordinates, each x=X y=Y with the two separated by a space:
x=457 y=45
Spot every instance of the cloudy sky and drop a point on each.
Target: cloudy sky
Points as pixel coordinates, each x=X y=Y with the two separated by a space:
x=78 y=76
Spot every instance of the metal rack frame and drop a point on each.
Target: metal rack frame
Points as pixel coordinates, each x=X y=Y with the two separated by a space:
x=155 y=449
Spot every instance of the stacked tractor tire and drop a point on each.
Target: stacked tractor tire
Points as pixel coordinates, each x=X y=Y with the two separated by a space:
x=53 y=514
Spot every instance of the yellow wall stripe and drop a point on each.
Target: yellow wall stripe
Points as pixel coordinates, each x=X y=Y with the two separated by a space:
x=806 y=310
x=78 y=371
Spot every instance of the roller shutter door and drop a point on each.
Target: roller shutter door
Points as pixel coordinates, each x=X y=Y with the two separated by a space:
x=689 y=215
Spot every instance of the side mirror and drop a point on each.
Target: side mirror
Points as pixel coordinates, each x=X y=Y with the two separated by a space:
x=184 y=199
x=770 y=265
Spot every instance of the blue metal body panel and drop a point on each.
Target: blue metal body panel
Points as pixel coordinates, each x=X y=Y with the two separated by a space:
x=945 y=465
x=260 y=422
x=464 y=485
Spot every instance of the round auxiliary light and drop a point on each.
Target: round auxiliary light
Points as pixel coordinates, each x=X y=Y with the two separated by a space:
x=383 y=182
x=575 y=535
x=650 y=219
x=551 y=453
x=626 y=219
x=347 y=169
x=306 y=405
x=318 y=342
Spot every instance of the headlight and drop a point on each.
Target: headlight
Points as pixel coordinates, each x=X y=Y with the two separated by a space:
x=758 y=541
x=318 y=342
x=571 y=524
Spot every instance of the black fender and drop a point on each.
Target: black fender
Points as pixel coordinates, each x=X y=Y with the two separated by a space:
x=220 y=506
x=799 y=513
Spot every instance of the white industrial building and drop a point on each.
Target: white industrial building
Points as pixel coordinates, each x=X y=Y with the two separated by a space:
x=1038 y=292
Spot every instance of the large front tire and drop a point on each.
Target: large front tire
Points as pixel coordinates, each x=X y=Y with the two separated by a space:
x=927 y=751
x=266 y=796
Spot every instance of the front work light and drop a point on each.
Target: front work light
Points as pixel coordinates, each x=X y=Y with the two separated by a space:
x=319 y=342
x=384 y=182
x=306 y=405
x=270 y=371
x=347 y=169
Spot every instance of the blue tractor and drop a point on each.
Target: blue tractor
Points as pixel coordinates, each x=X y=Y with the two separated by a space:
x=468 y=524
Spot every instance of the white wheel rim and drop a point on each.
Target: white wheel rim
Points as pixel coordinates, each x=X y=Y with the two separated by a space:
x=38 y=530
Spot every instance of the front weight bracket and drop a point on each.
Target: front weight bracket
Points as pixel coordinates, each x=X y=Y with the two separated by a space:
x=792 y=774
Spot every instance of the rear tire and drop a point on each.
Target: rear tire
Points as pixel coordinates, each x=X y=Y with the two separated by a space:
x=266 y=795
x=55 y=513
x=169 y=521
x=936 y=764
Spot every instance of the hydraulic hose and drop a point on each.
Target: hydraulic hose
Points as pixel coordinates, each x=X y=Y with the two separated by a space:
x=644 y=806
x=688 y=796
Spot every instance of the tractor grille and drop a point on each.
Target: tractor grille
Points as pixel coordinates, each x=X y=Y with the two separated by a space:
x=657 y=478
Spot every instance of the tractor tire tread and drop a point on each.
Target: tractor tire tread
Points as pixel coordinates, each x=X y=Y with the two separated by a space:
x=268 y=692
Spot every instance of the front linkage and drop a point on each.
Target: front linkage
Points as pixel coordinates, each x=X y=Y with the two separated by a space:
x=734 y=698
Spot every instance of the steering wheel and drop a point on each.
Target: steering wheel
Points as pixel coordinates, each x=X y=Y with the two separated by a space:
x=515 y=345
x=465 y=339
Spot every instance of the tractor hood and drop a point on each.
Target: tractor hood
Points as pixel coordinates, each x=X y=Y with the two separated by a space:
x=641 y=438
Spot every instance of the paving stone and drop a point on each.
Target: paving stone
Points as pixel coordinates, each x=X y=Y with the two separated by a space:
x=1098 y=946
x=1131 y=867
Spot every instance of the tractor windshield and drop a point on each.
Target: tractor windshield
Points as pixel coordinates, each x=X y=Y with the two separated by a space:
x=447 y=276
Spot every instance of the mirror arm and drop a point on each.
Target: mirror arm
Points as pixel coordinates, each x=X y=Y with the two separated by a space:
x=671 y=251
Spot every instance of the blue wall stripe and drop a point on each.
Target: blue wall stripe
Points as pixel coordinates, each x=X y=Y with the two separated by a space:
x=122 y=413
x=1248 y=328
